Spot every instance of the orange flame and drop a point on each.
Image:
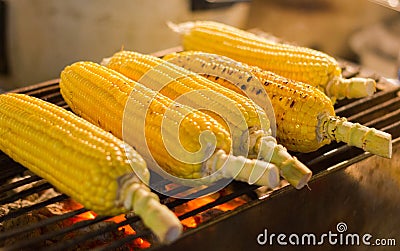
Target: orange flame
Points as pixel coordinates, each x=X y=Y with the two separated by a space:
x=194 y=221
x=190 y=222
x=90 y=215
x=140 y=243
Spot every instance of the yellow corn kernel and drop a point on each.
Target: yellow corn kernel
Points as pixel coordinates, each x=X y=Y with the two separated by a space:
x=309 y=111
x=81 y=160
x=136 y=113
x=137 y=66
x=305 y=116
x=295 y=62
x=149 y=70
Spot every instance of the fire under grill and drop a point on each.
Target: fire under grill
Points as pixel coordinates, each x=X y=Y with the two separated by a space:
x=348 y=186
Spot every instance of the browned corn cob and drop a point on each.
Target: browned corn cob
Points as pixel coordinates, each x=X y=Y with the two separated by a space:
x=174 y=82
x=82 y=161
x=299 y=63
x=305 y=116
x=136 y=113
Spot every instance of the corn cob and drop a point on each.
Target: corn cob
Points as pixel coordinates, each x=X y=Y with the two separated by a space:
x=152 y=72
x=81 y=160
x=174 y=82
x=133 y=112
x=305 y=116
x=298 y=63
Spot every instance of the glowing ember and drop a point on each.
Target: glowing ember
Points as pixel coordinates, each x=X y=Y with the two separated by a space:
x=230 y=205
x=191 y=222
x=195 y=203
x=194 y=221
x=140 y=243
x=127 y=229
x=90 y=215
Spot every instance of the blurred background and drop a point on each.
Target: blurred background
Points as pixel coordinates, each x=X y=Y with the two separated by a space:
x=38 y=38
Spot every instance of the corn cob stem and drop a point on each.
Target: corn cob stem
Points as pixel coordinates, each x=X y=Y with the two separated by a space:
x=247 y=170
x=158 y=217
x=369 y=139
x=339 y=88
x=82 y=161
x=299 y=176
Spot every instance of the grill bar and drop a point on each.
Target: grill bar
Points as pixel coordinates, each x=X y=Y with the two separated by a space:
x=33 y=207
x=123 y=241
x=360 y=105
x=10 y=169
x=9 y=187
x=41 y=89
x=25 y=193
x=219 y=201
x=377 y=111
x=81 y=238
x=38 y=240
x=42 y=223
x=386 y=120
x=380 y=111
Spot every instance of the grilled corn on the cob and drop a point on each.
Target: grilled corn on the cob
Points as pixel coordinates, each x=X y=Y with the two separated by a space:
x=81 y=160
x=299 y=63
x=175 y=82
x=133 y=112
x=305 y=116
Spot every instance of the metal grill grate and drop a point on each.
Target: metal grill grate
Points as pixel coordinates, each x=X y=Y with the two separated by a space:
x=380 y=111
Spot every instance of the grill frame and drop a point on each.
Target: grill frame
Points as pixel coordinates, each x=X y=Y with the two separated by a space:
x=331 y=180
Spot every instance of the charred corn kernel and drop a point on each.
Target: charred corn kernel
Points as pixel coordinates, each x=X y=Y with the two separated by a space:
x=299 y=63
x=81 y=160
x=128 y=109
x=305 y=116
x=181 y=82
